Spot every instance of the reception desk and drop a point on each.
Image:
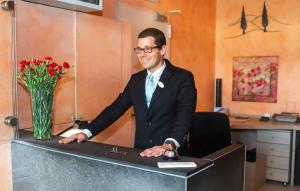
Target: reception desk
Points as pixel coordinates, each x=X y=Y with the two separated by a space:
x=48 y=165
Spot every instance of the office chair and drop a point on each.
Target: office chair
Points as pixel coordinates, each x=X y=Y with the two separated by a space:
x=209 y=132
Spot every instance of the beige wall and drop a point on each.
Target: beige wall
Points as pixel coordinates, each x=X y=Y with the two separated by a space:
x=6 y=106
x=284 y=44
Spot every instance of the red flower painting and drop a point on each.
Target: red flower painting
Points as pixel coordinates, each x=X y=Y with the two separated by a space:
x=255 y=79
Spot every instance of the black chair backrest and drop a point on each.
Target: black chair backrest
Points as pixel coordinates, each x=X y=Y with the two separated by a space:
x=210 y=131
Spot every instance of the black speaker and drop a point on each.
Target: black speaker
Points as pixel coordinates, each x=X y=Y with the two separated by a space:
x=218 y=92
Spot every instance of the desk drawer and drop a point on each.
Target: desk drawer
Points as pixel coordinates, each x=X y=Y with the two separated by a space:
x=278 y=162
x=277 y=174
x=273 y=149
x=280 y=137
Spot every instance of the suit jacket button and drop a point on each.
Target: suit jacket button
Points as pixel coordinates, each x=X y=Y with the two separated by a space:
x=149 y=123
x=150 y=140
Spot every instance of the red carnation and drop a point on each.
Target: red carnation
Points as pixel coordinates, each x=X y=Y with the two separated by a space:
x=24 y=62
x=49 y=58
x=51 y=71
x=22 y=68
x=37 y=62
x=59 y=68
x=54 y=64
x=66 y=65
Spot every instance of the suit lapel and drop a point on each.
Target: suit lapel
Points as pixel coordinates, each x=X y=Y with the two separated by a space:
x=162 y=84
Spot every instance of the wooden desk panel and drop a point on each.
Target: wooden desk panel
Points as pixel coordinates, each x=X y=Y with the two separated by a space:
x=254 y=123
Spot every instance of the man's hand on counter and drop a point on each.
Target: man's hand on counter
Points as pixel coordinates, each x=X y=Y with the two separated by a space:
x=79 y=137
x=155 y=151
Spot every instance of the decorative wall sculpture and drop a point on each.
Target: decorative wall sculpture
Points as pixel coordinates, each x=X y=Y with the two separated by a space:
x=255 y=79
x=251 y=22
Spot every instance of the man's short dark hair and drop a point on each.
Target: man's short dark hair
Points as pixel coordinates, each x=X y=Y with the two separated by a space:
x=158 y=35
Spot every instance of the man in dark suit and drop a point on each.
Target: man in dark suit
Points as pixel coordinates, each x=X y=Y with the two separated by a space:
x=163 y=98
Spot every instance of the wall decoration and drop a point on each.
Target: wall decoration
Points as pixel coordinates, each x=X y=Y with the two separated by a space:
x=251 y=23
x=255 y=79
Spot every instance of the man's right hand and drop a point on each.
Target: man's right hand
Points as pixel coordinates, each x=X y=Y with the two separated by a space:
x=79 y=137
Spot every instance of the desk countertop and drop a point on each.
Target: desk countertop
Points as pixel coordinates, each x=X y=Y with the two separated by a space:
x=254 y=123
x=100 y=152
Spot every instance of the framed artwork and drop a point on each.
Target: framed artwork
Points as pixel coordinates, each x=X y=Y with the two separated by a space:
x=255 y=79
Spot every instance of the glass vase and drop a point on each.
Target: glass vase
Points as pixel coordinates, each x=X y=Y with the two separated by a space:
x=41 y=103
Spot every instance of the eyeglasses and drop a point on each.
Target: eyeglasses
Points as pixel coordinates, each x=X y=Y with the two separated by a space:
x=138 y=50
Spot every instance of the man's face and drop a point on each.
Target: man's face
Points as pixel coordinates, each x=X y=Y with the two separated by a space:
x=153 y=59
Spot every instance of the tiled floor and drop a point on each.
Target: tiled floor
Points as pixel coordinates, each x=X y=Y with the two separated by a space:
x=276 y=186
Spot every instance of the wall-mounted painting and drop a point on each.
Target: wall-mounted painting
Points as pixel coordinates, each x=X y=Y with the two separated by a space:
x=255 y=79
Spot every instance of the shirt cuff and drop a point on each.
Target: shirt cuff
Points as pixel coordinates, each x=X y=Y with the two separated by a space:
x=173 y=140
x=87 y=133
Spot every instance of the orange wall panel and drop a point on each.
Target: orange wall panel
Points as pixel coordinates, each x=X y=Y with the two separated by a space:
x=6 y=102
x=46 y=31
x=193 y=44
x=99 y=63
x=102 y=70
x=143 y=3
x=5 y=167
x=98 y=48
x=109 y=8
x=284 y=43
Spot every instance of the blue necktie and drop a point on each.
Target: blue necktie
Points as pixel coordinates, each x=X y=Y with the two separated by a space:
x=150 y=87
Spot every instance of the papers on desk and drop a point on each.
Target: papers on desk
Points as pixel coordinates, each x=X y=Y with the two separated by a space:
x=239 y=119
x=176 y=164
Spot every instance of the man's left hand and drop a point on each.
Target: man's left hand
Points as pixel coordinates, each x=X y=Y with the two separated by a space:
x=155 y=151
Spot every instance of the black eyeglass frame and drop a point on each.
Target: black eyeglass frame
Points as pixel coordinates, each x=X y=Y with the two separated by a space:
x=138 y=50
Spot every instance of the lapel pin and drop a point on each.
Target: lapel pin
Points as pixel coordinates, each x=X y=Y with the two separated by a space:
x=160 y=84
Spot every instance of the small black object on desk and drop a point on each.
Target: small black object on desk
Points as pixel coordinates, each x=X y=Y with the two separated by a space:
x=263 y=118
